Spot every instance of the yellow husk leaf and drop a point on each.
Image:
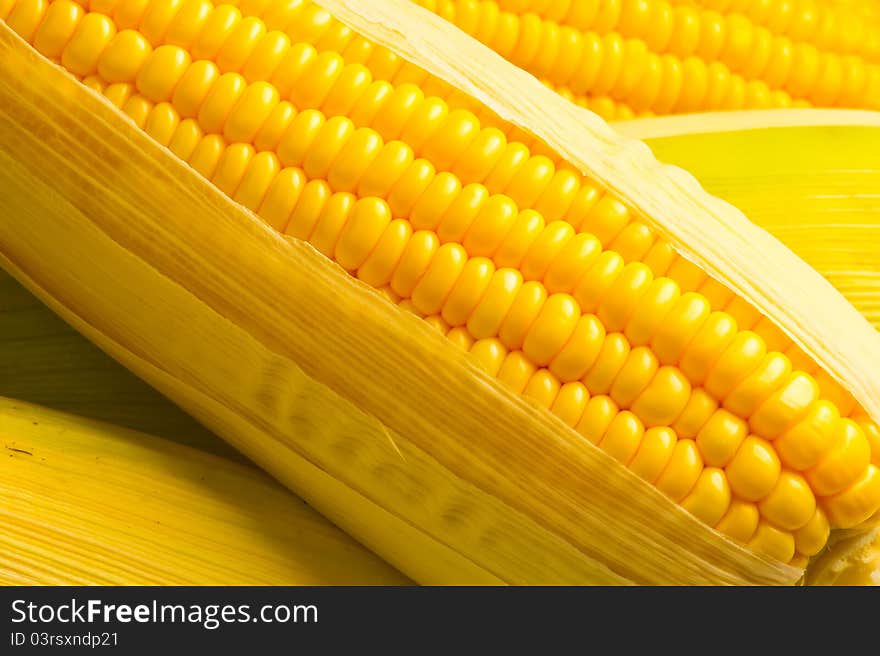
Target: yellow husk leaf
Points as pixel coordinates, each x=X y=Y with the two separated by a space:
x=373 y=418
x=84 y=502
x=810 y=177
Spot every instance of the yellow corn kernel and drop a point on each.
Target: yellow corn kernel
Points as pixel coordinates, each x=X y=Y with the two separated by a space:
x=812 y=536
x=716 y=293
x=369 y=219
x=654 y=453
x=831 y=390
x=718 y=331
x=624 y=296
x=660 y=258
x=872 y=434
x=744 y=355
x=612 y=356
x=414 y=261
x=790 y=504
x=745 y=315
x=572 y=262
x=740 y=522
x=607 y=218
x=523 y=311
x=330 y=221
x=516 y=371
x=698 y=410
x=594 y=285
x=805 y=443
x=545 y=249
x=183 y=143
x=314 y=197
x=750 y=392
x=570 y=403
x=623 y=437
x=138 y=109
x=633 y=242
x=552 y=329
x=231 y=167
x=24 y=17
x=785 y=407
x=192 y=89
x=682 y=472
x=772 y=542
x=251 y=112
x=57 y=28
x=489 y=219
x=664 y=399
x=486 y=319
x=654 y=306
x=543 y=387
x=92 y=35
x=754 y=469
x=857 y=502
x=469 y=289
x=680 y=327
x=527 y=227
x=710 y=498
x=720 y=438
x=634 y=376
x=161 y=124
x=844 y=463
x=380 y=264
x=577 y=356
x=223 y=95
x=94 y=83
x=597 y=417
x=688 y=275
x=489 y=354
x=162 y=69
x=436 y=284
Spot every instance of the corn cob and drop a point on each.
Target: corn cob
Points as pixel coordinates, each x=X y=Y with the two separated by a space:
x=677 y=57
x=74 y=512
x=540 y=273
x=498 y=281
x=43 y=359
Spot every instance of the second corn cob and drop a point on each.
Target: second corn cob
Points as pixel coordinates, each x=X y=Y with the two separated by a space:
x=621 y=58
x=76 y=511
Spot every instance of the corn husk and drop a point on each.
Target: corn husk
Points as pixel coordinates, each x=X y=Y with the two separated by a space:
x=809 y=177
